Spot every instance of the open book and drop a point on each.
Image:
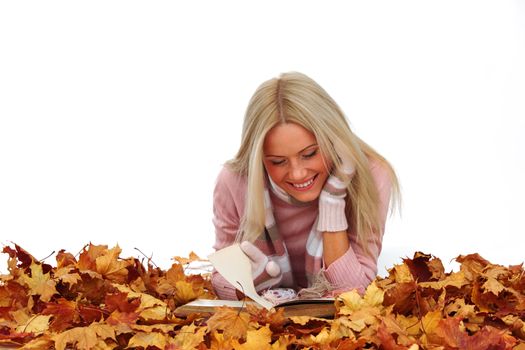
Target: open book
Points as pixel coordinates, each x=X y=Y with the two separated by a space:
x=235 y=267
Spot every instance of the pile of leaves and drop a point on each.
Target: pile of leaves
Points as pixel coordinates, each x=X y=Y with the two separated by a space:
x=101 y=301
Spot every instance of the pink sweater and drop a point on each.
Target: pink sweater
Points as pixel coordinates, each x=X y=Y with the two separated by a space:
x=355 y=269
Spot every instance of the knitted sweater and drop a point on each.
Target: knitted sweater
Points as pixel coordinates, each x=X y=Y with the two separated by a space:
x=355 y=269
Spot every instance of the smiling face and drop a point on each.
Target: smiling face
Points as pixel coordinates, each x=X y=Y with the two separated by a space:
x=294 y=161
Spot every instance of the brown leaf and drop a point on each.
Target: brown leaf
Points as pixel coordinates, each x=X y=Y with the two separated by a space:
x=64 y=314
x=119 y=301
x=65 y=259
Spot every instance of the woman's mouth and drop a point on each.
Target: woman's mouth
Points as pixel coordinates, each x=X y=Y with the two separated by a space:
x=304 y=186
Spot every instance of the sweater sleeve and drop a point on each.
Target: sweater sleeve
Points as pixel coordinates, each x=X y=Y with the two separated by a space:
x=357 y=268
x=228 y=207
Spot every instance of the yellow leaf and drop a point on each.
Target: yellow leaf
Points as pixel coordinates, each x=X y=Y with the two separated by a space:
x=146 y=300
x=39 y=283
x=373 y=295
x=189 y=337
x=184 y=293
x=155 y=313
x=255 y=339
x=20 y=316
x=103 y=330
x=302 y=320
x=430 y=321
x=83 y=337
x=409 y=323
x=455 y=279
x=184 y=261
x=42 y=342
x=148 y=339
x=233 y=323
x=493 y=285
x=402 y=274
x=357 y=325
x=111 y=267
x=219 y=342
x=162 y=327
x=352 y=301
x=37 y=324
x=64 y=274
x=282 y=343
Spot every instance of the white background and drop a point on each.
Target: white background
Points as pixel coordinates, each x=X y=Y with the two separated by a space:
x=115 y=117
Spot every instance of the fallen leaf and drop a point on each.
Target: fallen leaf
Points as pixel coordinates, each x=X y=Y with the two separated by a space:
x=148 y=339
x=39 y=283
x=231 y=322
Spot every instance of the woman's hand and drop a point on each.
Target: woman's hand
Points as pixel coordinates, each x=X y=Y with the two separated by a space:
x=332 y=216
x=265 y=272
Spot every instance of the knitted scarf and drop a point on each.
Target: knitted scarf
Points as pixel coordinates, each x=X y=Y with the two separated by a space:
x=272 y=244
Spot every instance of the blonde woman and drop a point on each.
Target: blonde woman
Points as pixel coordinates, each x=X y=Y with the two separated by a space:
x=305 y=196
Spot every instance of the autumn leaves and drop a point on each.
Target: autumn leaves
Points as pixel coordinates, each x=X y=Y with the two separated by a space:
x=101 y=301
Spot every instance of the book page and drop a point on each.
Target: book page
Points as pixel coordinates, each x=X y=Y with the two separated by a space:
x=235 y=267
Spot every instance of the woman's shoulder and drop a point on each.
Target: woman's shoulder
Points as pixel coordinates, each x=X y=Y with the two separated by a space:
x=231 y=181
x=380 y=172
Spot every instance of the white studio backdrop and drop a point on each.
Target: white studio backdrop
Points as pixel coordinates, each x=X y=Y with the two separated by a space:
x=116 y=117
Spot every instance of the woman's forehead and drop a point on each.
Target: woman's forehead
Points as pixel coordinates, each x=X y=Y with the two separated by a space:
x=288 y=139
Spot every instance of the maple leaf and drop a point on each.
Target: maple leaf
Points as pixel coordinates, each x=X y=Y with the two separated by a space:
x=255 y=339
x=68 y=275
x=119 y=301
x=402 y=274
x=148 y=339
x=493 y=285
x=184 y=292
x=373 y=295
x=155 y=313
x=39 y=283
x=231 y=322
x=37 y=324
x=146 y=300
x=82 y=337
x=64 y=312
x=110 y=267
x=88 y=258
x=387 y=340
x=188 y=337
x=124 y=318
x=192 y=257
x=220 y=342
x=65 y=259
x=42 y=342
x=275 y=319
x=472 y=265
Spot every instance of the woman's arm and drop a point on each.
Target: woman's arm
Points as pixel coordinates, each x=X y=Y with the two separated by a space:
x=348 y=264
x=227 y=204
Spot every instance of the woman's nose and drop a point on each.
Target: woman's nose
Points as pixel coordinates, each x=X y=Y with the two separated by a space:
x=298 y=172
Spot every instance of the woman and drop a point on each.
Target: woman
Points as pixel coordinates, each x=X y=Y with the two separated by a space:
x=306 y=197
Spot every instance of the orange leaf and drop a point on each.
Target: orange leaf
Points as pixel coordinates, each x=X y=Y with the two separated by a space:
x=119 y=301
x=64 y=312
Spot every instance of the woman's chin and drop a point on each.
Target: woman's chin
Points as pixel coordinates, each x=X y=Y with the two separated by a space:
x=305 y=197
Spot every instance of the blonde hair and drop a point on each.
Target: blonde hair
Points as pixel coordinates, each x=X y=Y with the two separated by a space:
x=295 y=98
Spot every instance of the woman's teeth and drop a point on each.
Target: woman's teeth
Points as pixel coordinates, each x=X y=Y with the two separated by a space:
x=306 y=184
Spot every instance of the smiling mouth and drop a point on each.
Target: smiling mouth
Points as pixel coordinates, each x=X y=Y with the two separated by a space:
x=305 y=185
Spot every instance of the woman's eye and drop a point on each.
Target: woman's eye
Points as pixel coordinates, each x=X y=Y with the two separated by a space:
x=310 y=155
x=277 y=162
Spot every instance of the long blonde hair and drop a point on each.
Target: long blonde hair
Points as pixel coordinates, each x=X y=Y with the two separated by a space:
x=295 y=98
